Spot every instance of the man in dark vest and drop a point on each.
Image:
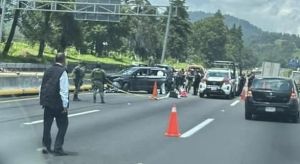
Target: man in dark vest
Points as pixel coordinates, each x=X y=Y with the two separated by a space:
x=54 y=98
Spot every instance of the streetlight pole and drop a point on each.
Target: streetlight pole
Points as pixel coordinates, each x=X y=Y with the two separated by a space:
x=166 y=35
x=3 y=4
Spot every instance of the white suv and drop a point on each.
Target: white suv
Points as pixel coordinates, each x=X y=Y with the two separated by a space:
x=218 y=82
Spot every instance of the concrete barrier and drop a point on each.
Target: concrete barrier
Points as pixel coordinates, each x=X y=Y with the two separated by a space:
x=27 y=83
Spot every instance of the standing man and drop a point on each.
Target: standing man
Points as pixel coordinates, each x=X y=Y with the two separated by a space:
x=78 y=75
x=190 y=80
x=98 y=77
x=151 y=61
x=181 y=79
x=250 y=79
x=54 y=98
x=196 y=82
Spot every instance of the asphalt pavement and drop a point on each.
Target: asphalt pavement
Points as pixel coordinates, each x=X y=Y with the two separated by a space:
x=129 y=129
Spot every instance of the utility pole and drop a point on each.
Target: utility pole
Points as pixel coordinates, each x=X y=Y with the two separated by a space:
x=166 y=35
x=3 y=4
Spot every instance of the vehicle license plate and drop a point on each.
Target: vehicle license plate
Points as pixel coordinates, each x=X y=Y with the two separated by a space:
x=270 y=109
x=213 y=88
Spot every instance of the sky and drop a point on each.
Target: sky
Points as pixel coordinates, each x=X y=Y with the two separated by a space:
x=270 y=15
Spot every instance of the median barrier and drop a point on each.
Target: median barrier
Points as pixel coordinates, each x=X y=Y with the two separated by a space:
x=27 y=83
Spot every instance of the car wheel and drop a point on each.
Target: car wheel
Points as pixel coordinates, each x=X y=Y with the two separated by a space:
x=248 y=115
x=201 y=95
x=232 y=95
x=116 y=85
x=295 y=118
x=125 y=87
x=228 y=96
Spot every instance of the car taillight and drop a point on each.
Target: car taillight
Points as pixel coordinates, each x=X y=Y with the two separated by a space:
x=294 y=94
x=249 y=94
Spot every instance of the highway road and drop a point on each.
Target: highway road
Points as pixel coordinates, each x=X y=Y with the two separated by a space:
x=129 y=129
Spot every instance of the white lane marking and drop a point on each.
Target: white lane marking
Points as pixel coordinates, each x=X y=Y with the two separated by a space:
x=39 y=149
x=197 y=128
x=235 y=102
x=33 y=98
x=9 y=101
x=71 y=115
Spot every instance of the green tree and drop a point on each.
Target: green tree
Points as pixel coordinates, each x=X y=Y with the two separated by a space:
x=180 y=29
x=11 y=33
x=144 y=37
x=65 y=32
x=209 y=38
x=34 y=29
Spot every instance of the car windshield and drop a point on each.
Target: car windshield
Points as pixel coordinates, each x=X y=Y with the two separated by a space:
x=272 y=84
x=217 y=74
x=129 y=71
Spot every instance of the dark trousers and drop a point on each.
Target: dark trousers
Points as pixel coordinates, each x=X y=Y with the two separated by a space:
x=77 y=84
x=196 y=87
x=62 y=125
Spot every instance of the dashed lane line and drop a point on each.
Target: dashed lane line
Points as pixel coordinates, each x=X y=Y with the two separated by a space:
x=32 y=98
x=70 y=115
x=197 y=128
x=235 y=102
x=16 y=100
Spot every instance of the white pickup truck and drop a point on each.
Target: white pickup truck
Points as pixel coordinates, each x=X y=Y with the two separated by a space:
x=218 y=81
x=296 y=76
x=270 y=69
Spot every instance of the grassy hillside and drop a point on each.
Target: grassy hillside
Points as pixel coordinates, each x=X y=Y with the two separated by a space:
x=21 y=52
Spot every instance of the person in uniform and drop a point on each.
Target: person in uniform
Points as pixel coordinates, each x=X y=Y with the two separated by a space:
x=54 y=98
x=78 y=75
x=250 y=79
x=196 y=82
x=190 y=80
x=181 y=76
x=98 y=77
x=242 y=83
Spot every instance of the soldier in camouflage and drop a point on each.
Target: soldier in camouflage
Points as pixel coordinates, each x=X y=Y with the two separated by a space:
x=78 y=75
x=98 y=77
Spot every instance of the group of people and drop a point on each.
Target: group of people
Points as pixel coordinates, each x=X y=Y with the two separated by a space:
x=187 y=79
x=98 y=79
x=54 y=98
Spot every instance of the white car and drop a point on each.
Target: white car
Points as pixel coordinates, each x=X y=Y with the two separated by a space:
x=218 y=82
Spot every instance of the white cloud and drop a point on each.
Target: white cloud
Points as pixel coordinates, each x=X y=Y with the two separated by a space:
x=270 y=15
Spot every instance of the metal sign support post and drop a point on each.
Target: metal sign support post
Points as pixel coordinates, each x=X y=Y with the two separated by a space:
x=3 y=3
x=166 y=35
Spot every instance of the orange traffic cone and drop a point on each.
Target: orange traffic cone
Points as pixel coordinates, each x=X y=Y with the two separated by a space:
x=154 y=92
x=173 y=128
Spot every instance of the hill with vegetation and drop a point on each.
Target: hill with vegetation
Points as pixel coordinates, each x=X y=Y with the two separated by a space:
x=266 y=46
